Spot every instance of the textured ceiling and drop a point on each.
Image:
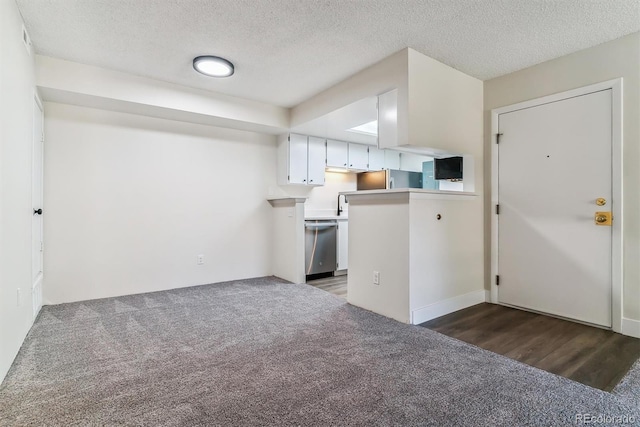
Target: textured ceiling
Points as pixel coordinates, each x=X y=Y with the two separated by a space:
x=285 y=51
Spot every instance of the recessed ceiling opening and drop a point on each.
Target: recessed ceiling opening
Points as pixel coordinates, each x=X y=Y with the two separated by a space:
x=369 y=128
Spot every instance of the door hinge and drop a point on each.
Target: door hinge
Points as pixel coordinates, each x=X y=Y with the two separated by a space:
x=497 y=209
x=497 y=280
x=289 y=138
x=498 y=135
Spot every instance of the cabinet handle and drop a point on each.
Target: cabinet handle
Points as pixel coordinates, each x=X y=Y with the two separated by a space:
x=304 y=180
x=310 y=180
x=345 y=164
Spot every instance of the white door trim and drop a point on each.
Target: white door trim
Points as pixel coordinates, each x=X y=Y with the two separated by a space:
x=37 y=286
x=617 y=208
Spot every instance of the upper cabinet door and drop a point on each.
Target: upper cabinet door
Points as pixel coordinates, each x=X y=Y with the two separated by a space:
x=391 y=159
x=358 y=156
x=337 y=154
x=317 y=161
x=388 y=119
x=297 y=159
x=376 y=159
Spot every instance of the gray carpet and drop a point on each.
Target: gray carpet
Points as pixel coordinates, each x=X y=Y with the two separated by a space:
x=265 y=352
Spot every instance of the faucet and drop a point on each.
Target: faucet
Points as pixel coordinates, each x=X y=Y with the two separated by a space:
x=340 y=207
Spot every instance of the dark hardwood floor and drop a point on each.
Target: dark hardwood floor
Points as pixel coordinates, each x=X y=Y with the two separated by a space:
x=336 y=285
x=592 y=356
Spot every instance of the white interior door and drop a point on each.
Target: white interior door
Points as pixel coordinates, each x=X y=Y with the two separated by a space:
x=37 y=203
x=554 y=162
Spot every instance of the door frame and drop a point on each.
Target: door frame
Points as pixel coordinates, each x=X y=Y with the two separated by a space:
x=616 y=181
x=37 y=299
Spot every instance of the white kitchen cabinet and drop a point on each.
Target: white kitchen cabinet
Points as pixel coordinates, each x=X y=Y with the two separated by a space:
x=353 y=156
x=301 y=160
x=343 y=244
x=391 y=159
x=376 y=159
x=316 y=161
x=358 y=156
x=297 y=159
x=337 y=154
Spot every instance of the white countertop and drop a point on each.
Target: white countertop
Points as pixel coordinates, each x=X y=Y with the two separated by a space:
x=406 y=194
x=326 y=217
x=409 y=190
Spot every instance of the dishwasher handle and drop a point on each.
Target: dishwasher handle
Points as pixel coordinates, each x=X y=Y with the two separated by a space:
x=320 y=226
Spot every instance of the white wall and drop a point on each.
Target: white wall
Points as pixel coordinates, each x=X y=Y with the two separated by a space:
x=445 y=185
x=131 y=201
x=288 y=239
x=445 y=108
x=618 y=58
x=426 y=264
x=324 y=200
x=413 y=162
x=379 y=240
x=16 y=126
x=446 y=253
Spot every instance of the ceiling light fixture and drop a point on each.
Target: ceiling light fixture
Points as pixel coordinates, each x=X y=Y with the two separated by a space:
x=213 y=66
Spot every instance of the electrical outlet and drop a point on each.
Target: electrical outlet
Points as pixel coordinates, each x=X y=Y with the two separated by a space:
x=200 y=259
x=376 y=277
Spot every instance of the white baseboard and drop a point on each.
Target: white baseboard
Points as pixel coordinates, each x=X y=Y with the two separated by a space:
x=447 y=306
x=631 y=327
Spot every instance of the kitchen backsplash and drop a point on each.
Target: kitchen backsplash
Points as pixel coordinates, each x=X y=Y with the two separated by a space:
x=323 y=201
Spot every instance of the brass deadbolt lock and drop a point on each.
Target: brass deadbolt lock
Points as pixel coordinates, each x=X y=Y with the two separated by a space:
x=600 y=201
x=603 y=218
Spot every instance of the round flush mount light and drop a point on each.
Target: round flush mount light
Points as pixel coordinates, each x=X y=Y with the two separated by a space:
x=213 y=66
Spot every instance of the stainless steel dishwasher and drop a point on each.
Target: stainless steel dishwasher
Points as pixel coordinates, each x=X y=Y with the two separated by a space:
x=320 y=237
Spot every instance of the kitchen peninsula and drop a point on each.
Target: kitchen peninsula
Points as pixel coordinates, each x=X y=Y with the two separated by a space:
x=415 y=254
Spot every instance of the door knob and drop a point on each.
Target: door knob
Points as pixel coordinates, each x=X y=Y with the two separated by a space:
x=603 y=218
x=37 y=211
